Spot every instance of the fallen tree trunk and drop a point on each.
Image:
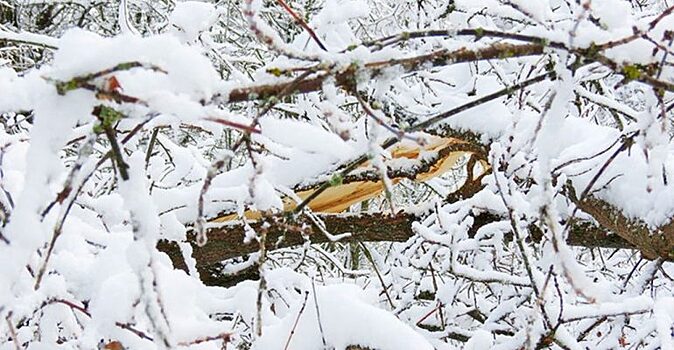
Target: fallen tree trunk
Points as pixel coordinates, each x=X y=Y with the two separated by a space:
x=228 y=241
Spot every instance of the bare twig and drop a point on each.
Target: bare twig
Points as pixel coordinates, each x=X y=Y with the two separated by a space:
x=297 y=320
x=318 y=313
x=302 y=23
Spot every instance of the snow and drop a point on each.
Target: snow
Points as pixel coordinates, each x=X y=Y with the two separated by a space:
x=38 y=39
x=106 y=280
x=190 y=18
x=628 y=305
x=346 y=318
x=187 y=71
x=481 y=339
x=612 y=14
x=538 y=10
x=306 y=138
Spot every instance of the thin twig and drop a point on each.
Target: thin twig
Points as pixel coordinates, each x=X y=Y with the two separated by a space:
x=368 y=256
x=297 y=320
x=302 y=23
x=318 y=314
x=12 y=332
x=86 y=312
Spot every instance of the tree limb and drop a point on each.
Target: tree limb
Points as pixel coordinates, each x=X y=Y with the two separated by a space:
x=228 y=241
x=349 y=76
x=652 y=242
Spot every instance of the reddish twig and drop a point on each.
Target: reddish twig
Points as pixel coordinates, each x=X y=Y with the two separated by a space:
x=297 y=320
x=225 y=337
x=429 y=314
x=302 y=23
x=246 y=128
x=86 y=312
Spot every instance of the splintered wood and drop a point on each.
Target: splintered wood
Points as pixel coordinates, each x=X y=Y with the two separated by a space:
x=338 y=198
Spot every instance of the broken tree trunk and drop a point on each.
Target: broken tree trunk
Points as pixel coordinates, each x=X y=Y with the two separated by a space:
x=227 y=241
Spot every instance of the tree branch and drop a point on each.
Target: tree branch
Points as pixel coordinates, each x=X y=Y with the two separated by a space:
x=499 y=50
x=349 y=76
x=652 y=242
x=228 y=241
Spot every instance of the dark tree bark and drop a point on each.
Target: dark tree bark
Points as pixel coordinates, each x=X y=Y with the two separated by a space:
x=227 y=242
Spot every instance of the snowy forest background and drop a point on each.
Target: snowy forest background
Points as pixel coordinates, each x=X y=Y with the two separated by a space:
x=337 y=174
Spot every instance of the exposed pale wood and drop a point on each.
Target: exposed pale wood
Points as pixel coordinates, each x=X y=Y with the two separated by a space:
x=338 y=198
